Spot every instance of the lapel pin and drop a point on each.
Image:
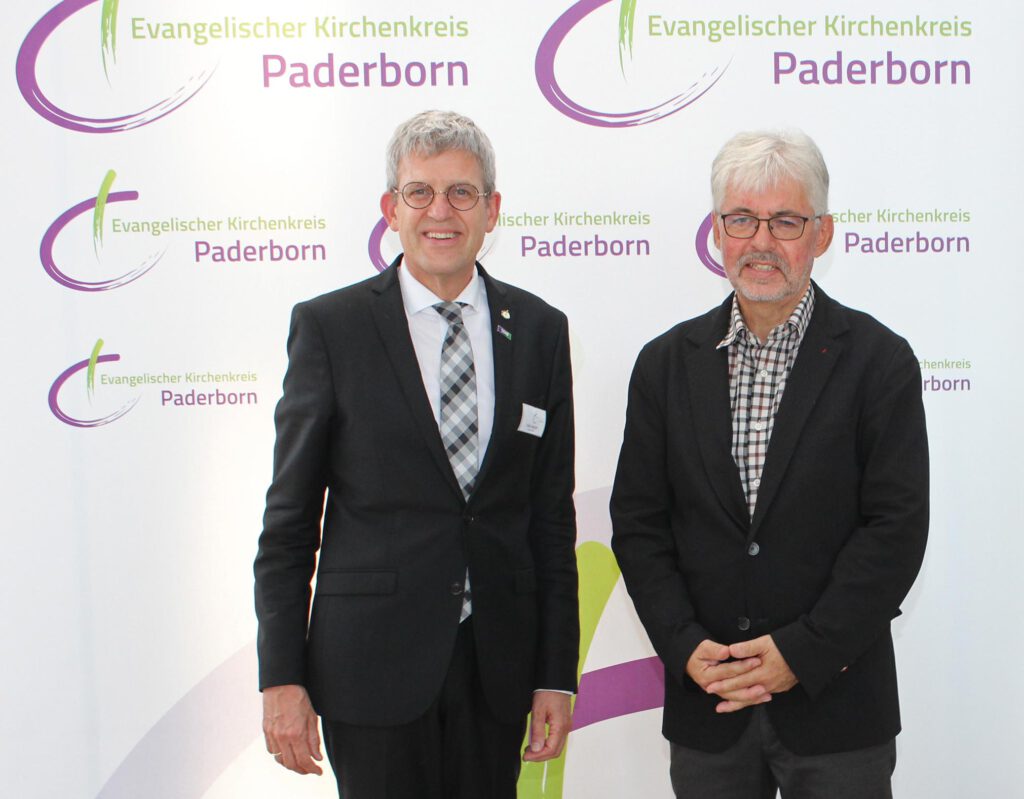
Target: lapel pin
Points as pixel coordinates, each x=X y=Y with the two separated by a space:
x=505 y=314
x=504 y=332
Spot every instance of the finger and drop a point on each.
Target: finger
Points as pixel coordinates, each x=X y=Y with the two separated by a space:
x=731 y=669
x=313 y=739
x=746 y=649
x=538 y=731
x=731 y=706
x=709 y=650
x=748 y=694
x=298 y=759
x=741 y=683
x=552 y=747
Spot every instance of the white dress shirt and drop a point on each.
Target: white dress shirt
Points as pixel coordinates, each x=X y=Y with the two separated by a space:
x=428 y=328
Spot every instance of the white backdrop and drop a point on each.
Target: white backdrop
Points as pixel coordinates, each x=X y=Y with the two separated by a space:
x=146 y=148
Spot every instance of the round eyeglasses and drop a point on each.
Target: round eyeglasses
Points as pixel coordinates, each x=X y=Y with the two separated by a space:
x=784 y=227
x=461 y=196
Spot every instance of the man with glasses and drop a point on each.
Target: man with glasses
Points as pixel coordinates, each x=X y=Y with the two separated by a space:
x=770 y=506
x=432 y=404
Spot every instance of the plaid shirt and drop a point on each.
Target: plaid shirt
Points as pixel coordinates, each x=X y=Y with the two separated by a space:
x=757 y=378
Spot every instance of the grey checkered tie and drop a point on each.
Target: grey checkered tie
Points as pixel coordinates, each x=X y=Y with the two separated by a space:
x=458 y=398
x=458 y=410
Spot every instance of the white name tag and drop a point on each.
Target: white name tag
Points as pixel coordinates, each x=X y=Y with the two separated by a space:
x=533 y=420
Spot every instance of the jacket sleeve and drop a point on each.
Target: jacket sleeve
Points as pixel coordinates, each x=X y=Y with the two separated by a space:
x=553 y=530
x=642 y=540
x=291 y=523
x=882 y=556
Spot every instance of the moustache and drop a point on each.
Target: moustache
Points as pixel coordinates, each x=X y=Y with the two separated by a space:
x=770 y=258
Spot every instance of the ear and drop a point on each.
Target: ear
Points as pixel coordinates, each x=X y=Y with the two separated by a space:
x=389 y=208
x=493 y=208
x=715 y=220
x=826 y=229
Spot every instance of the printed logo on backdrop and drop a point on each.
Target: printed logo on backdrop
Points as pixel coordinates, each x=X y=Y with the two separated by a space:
x=98 y=206
x=380 y=53
x=105 y=60
x=692 y=30
x=699 y=81
x=121 y=238
x=93 y=393
x=78 y=405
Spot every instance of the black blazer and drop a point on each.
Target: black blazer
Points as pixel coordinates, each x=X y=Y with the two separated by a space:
x=354 y=421
x=840 y=524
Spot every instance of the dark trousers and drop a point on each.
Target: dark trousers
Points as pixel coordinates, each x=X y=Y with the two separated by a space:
x=758 y=765
x=456 y=750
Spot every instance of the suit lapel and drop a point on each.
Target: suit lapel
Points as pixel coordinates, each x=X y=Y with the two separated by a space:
x=814 y=364
x=707 y=370
x=503 y=315
x=393 y=328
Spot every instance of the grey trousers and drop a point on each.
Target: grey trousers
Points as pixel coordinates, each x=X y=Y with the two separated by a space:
x=758 y=765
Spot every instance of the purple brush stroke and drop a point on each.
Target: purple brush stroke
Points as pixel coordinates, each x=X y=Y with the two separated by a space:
x=374 y=245
x=50 y=237
x=63 y=377
x=197 y=739
x=42 y=105
x=618 y=691
x=544 y=67
x=701 y=243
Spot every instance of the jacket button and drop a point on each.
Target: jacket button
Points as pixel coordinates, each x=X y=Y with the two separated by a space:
x=743 y=623
x=753 y=549
x=455 y=588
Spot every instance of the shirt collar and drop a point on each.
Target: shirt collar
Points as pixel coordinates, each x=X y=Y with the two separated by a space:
x=416 y=297
x=796 y=325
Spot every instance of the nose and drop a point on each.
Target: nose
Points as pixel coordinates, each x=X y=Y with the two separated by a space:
x=439 y=207
x=763 y=238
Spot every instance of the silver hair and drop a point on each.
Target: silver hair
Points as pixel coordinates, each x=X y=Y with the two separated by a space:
x=433 y=132
x=759 y=160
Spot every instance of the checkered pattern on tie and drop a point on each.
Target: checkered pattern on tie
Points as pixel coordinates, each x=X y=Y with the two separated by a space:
x=458 y=398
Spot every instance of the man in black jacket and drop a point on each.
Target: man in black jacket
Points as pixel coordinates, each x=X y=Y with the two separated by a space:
x=770 y=507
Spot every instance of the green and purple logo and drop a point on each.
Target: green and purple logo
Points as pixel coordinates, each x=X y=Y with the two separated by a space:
x=98 y=206
x=28 y=57
x=85 y=395
x=544 y=67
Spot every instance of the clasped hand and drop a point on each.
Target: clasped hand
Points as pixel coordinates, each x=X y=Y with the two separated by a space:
x=743 y=674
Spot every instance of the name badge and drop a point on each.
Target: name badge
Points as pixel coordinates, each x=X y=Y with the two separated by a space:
x=533 y=420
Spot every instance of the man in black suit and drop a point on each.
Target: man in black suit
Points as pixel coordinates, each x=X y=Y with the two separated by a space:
x=433 y=405
x=770 y=506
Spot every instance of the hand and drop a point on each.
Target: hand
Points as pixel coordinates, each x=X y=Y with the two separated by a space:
x=289 y=727
x=711 y=667
x=771 y=676
x=551 y=712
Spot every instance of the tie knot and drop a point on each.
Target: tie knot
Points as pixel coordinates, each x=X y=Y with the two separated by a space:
x=451 y=311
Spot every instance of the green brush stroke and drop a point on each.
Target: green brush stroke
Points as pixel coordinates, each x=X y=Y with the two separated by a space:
x=90 y=374
x=108 y=33
x=598 y=574
x=101 y=206
x=627 y=16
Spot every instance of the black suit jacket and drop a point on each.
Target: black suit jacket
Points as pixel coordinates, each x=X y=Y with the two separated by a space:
x=397 y=535
x=840 y=524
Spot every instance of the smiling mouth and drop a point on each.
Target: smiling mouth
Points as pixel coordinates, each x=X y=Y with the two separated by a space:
x=441 y=235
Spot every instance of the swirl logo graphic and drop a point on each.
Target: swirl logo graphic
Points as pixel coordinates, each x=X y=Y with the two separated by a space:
x=703 y=250
x=544 y=67
x=97 y=205
x=28 y=57
x=89 y=365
